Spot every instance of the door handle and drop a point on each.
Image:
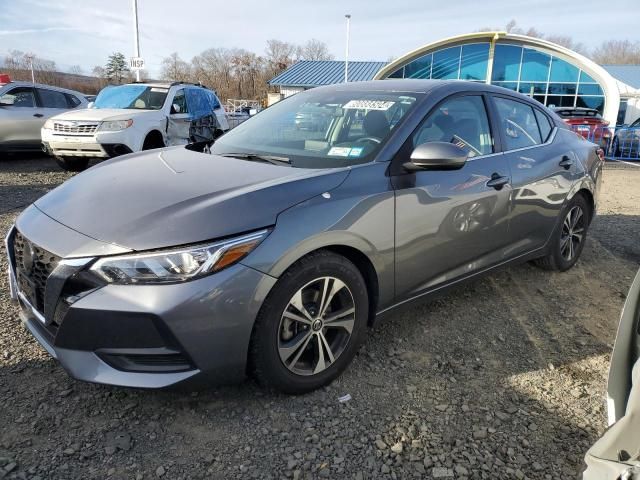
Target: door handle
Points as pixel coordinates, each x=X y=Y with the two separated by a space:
x=566 y=162
x=39 y=115
x=497 y=181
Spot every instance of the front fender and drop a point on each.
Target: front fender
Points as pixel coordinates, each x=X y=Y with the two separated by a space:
x=364 y=222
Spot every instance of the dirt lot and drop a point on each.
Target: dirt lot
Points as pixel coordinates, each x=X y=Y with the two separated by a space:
x=502 y=379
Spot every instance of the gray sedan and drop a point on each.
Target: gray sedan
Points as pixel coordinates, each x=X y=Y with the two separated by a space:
x=274 y=252
x=25 y=106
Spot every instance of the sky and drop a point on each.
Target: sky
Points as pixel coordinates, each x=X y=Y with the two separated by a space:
x=85 y=32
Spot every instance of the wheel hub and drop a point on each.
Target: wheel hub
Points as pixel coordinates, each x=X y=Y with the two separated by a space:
x=316 y=326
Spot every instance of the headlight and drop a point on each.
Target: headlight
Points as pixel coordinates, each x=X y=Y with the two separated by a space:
x=48 y=124
x=115 y=125
x=176 y=265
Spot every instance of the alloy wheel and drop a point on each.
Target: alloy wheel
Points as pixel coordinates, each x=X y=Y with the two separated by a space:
x=316 y=326
x=572 y=233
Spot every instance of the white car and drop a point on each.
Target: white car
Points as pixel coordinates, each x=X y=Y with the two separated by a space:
x=133 y=117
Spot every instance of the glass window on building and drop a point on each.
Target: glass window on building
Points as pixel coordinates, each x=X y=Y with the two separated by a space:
x=475 y=58
x=591 y=102
x=562 y=71
x=398 y=73
x=506 y=63
x=446 y=64
x=535 y=66
x=419 y=68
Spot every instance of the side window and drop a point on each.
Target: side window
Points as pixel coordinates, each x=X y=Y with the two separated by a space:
x=198 y=101
x=213 y=99
x=544 y=124
x=52 y=99
x=460 y=120
x=180 y=101
x=518 y=124
x=19 y=97
x=73 y=100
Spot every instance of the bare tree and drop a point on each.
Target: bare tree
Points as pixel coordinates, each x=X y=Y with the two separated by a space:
x=316 y=50
x=281 y=55
x=75 y=70
x=175 y=69
x=617 y=52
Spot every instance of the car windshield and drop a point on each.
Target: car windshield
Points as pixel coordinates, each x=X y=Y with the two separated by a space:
x=139 y=97
x=320 y=128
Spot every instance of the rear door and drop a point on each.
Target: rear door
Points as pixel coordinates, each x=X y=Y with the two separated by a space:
x=20 y=118
x=179 y=121
x=450 y=223
x=542 y=167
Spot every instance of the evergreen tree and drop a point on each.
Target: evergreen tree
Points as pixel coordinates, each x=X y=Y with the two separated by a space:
x=116 y=68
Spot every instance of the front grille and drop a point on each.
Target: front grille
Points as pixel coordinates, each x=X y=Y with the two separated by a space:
x=75 y=127
x=33 y=267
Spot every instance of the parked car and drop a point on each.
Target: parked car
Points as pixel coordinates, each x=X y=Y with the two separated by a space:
x=134 y=117
x=25 y=107
x=587 y=122
x=273 y=254
x=617 y=454
x=626 y=142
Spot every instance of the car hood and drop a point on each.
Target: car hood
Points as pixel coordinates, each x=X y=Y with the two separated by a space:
x=174 y=196
x=100 y=114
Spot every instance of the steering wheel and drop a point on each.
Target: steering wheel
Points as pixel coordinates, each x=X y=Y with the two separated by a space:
x=368 y=139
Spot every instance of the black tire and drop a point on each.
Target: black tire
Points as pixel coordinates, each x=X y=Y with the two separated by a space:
x=152 y=140
x=557 y=257
x=265 y=350
x=72 y=164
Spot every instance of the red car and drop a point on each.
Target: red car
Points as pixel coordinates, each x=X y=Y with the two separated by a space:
x=587 y=122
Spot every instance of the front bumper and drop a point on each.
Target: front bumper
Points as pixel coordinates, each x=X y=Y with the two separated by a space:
x=96 y=145
x=148 y=336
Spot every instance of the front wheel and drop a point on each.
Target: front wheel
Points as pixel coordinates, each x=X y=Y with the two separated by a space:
x=311 y=325
x=568 y=240
x=72 y=164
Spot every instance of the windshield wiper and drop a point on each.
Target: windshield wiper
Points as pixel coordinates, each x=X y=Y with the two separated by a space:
x=273 y=159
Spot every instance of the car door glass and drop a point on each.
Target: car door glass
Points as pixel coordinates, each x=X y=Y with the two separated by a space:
x=73 y=100
x=52 y=99
x=179 y=101
x=544 y=124
x=19 y=97
x=460 y=120
x=518 y=123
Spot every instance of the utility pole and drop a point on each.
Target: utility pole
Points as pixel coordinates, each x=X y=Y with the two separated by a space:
x=136 y=36
x=30 y=59
x=346 y=56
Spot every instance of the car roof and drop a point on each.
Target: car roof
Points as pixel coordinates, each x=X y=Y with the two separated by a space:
x=21 y=83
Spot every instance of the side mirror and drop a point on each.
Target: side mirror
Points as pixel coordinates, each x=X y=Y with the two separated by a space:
x=90 y=105
x=175 y=108
x=436 y=156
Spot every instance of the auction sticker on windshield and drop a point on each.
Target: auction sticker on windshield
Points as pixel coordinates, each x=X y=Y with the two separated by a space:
x=339 y=151
x=368 y=104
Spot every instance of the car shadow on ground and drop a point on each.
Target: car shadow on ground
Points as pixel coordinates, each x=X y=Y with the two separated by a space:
x=501 y=378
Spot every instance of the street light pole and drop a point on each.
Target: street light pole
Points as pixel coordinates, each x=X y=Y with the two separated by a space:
x=136 y=36
x=346 y=56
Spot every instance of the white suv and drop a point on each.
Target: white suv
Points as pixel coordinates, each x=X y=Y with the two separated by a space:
x=133 y=117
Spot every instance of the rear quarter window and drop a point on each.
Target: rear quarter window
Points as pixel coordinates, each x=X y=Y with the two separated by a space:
x=544 y=124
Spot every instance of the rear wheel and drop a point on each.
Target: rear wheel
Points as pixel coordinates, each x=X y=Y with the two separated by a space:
x=568 y=240
x=311 y=325
x=72 y=164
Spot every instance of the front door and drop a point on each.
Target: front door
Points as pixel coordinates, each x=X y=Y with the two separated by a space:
x=179 y=120
x=21 y=118
x=451 y=223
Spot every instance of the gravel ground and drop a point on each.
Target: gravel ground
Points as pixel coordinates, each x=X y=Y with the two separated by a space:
x=503 y=378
